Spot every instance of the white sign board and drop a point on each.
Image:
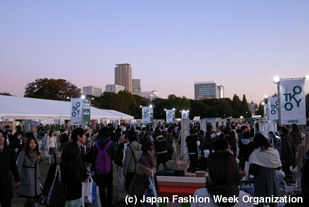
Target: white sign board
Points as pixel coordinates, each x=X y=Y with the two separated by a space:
x=170 y=116
x=292 y=102
x=147 y=114
x=273 y=109
x=76 y=111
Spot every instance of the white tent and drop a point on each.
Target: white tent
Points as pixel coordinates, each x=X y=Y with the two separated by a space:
x=42 y=109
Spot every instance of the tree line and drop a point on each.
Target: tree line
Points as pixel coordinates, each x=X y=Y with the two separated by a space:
x=125 y=102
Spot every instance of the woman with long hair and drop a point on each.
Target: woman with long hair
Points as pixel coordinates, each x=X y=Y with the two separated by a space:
x=52 y=144
x=223 y=182
x=268 y=160
x=28 y=164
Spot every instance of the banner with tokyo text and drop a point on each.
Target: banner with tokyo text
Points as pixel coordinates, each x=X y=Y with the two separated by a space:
x=170 y=116
x=292 y=102
x=147 y=113
x=76 y=111
x=273 y=112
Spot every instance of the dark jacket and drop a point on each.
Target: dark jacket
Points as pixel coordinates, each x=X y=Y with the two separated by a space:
x=7 y=163
x=191 y=143
x=288 y=153
x=160 y=144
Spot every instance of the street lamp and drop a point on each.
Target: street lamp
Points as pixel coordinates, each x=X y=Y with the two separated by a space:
x=276 y=79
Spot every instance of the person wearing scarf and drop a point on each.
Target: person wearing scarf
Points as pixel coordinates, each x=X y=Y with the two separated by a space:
x=145 y=166
x=268 y=161
x=223 y=182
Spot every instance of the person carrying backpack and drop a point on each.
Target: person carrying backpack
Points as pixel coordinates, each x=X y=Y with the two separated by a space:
x=101 y=156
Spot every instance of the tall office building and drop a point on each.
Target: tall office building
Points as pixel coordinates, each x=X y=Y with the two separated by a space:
x=220 y=91
x=92 y=91
x=207 y=90
x=136 y=86
x=113 y=88
x=150 y=95
x=123 y=76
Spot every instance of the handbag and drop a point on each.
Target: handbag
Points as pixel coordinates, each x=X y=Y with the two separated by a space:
x=253 y=169
x=152 y=187
x=89 y=191
x=138 y=185
x=56 y=195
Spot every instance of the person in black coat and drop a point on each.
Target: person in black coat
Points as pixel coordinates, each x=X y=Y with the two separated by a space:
x=7 y=164
x=192 y=142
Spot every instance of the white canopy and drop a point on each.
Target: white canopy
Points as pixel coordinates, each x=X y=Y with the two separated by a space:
x=37 y=109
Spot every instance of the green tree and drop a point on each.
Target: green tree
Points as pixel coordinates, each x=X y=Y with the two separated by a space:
x=260 y=110
x=224 y=108
x=53 y=89
x=5 y=94
x=236 y=106
x=199 y=108
x=244 y=109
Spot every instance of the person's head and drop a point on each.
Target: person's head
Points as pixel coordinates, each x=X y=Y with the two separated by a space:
x=78 y=136
x=61 y=131
x=221 y=145
x=18 y=135
x=131 y=135
x=148 y=134
x=51 y=133
x=223 y=169
x=244 y=128
x=261 y=141
x=294 y=127
x=209 y=128
x=104 y=132
x=193 y=131
x=148 y=148
x=246 y=134
x=283 y=131
x=1 y=137
x=28 y=135
x=32 y=145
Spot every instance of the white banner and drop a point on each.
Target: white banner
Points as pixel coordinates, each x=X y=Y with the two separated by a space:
x=147 y=115
x=266 y=110
x=273 y=112
x=76 y=111
x=292 y=102
x=170 y=116
x=184 y=114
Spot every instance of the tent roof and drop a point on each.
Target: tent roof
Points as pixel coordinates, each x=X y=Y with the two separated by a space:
x=32 y=108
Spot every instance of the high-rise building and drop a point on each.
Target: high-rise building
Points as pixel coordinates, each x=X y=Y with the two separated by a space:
x=92 y=91
x=123 y=76
x=136 y=86
x=150 y=95
x=206 y=90
x=220 y=91
x=113 y=88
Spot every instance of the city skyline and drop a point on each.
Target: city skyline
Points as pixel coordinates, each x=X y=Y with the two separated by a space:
x=170 y=46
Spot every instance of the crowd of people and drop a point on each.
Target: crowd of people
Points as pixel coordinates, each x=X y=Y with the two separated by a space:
x=140 y=152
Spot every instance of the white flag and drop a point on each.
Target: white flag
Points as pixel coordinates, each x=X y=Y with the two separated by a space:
x=273 y=112
x=76 y=111
x=292 y=102
x=170 y=116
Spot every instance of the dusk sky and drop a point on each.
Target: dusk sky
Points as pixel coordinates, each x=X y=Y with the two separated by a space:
x=170 y=44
